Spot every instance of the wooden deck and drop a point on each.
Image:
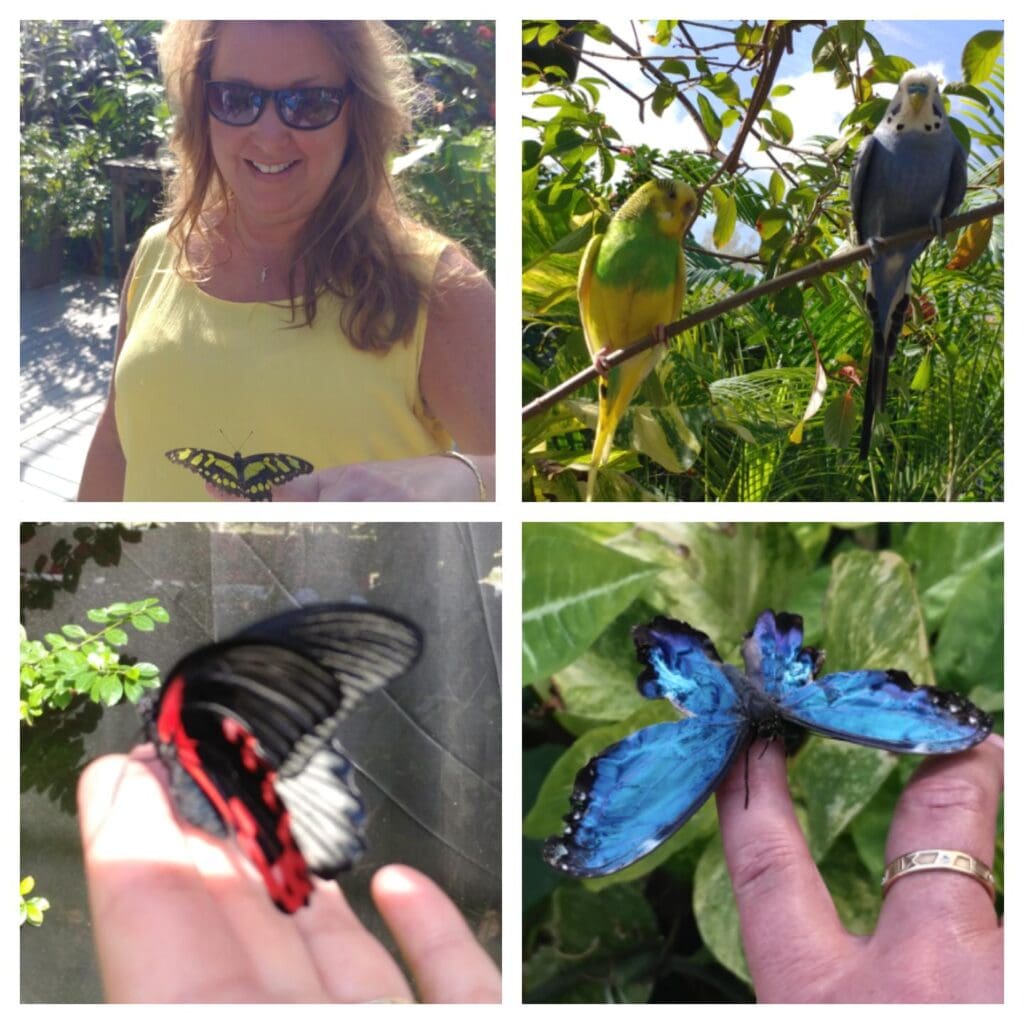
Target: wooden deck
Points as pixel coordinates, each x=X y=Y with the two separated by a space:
x=67 y=343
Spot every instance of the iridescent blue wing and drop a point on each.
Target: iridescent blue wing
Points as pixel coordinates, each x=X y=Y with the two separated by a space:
x=886 y=709
x=683 y=667
x=875 y=708
x=775 y=657
x=634 y=795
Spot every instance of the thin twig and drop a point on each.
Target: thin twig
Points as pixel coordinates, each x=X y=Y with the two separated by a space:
x=776 y=284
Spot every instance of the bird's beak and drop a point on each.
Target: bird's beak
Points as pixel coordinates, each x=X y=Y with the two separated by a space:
x=917 y=94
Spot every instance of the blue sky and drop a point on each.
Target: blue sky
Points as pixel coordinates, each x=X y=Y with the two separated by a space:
x=815 y=106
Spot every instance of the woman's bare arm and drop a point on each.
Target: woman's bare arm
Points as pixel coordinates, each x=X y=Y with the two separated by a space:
x=103 y=473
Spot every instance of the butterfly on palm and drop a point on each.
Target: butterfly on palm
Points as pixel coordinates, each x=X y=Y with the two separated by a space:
x=631 y=797
x=246 y=728
x=248 y=476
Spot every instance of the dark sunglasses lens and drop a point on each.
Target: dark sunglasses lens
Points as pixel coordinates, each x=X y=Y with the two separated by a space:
x=233 y=104
x=309 y=108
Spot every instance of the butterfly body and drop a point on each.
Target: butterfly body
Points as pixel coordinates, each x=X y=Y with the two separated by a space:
x=631 y=797
x=245 y=728
x=248 y=476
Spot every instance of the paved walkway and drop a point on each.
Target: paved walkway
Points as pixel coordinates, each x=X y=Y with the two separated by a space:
x=67 y=343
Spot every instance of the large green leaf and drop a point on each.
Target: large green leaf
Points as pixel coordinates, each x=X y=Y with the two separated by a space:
x=573 y=588
x=873 y=616
x=836 y=781
x=720 y=577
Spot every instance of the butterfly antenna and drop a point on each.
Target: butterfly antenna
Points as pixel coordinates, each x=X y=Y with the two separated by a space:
x=746 y=777
x=231 y=444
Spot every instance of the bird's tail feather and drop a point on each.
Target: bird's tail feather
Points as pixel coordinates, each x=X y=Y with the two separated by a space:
x=874 y=392
x=883 y=348
x=609 y=412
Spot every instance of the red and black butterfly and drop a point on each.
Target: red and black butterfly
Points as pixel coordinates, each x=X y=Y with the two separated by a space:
x=245 y=728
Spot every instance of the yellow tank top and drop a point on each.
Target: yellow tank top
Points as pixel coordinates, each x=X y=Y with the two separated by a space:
x=195 y=370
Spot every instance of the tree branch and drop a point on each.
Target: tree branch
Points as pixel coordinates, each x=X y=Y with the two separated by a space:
x=776 y=284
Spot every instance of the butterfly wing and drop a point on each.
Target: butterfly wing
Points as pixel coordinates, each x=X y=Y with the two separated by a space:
x=249 y=476
x=634 y=795
x=216 y=467
x=875 y=708
x=886 y=709
x=775 y=658
x=261 y=472
x=250 y=722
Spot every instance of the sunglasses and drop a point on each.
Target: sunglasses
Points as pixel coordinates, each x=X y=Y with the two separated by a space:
x=306 y=109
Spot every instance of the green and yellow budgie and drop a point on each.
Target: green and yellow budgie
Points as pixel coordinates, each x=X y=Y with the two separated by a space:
x=631 y=283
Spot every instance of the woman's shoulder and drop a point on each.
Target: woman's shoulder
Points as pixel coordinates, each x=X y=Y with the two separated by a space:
x=441 y=259
x=152 y=244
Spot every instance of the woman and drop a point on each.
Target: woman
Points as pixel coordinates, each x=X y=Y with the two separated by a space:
x=287 y=306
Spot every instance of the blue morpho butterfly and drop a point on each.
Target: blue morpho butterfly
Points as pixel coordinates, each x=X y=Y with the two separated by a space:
x=631 y=797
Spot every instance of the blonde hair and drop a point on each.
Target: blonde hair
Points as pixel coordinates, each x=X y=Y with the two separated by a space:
x=355 y=243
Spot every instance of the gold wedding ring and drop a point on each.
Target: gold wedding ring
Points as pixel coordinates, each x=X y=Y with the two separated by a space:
x=939 y=860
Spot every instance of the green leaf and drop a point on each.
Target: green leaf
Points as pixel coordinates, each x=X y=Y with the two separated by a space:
x=74 y=632
x=876 y=590
x=572 y=589
x=711 y=121
x=673 y=66
x=783 y=126
x=725 y=216
x=117 y=637
x=838 y=421
x=664 y=96
x=836 y=780
x=108 y=690
x=594 y=942
x=714 y=907
x=143 y=623
x=980 y=55
x=600 y=685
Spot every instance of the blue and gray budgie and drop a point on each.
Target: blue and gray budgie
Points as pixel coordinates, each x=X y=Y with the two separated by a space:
x=911 y=172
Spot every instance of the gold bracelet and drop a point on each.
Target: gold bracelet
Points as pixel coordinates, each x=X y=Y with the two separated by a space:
x=466 y=460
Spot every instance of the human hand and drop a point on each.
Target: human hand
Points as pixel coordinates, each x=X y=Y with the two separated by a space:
x=427 y=478
x=179 y=916
x=937 y=939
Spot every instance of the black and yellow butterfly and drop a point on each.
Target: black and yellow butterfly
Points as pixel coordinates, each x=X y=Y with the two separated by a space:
x=249 y=476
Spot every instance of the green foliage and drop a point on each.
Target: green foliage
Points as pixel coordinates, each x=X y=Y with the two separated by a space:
x=927 y=598
x=448 y=175
x=31 y=908
x=716 y=420
x=90 y=92
x=60 y=193
x=77 y=661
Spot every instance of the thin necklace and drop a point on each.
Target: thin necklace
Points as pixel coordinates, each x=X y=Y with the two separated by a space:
x=263 y=267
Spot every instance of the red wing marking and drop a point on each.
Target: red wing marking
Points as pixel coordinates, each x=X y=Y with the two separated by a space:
x=287 y=876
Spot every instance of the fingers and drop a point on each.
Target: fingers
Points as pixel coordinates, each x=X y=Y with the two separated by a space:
x=354 y=967
x=788 y=921
x=446 y=961
x=951 y=803
x=138 y=869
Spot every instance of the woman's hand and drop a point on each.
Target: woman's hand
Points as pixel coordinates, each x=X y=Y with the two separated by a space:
x=181 y=917
x=428 y=478
x=937 y=939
